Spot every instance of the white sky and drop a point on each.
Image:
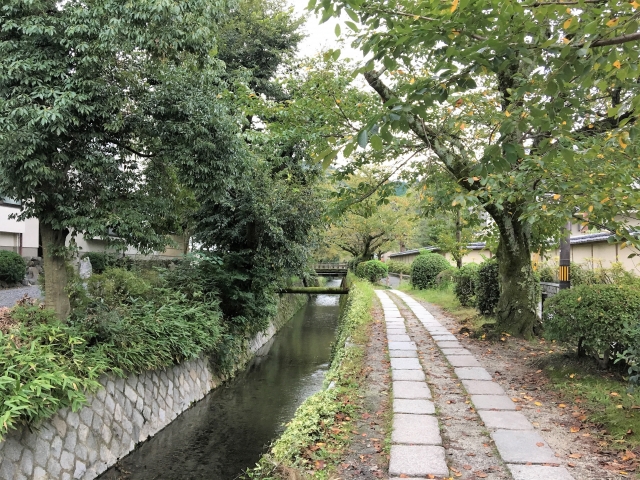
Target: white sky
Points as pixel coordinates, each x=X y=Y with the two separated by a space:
x=321 y=37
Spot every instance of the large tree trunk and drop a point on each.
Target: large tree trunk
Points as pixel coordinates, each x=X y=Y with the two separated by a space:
x=55 y=270
x=458 y=239
x=517 y=308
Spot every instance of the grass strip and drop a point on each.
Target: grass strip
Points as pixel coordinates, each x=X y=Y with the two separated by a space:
x=319 y=433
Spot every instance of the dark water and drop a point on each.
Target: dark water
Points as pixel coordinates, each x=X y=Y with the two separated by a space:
x=228 y=430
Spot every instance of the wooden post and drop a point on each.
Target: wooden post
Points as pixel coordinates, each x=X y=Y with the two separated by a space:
x=564 y=274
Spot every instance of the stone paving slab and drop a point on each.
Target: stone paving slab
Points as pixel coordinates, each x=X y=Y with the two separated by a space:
x=495 y=419
x=522 y=446
x=408 y=375
x=492 y=402
x=404 y=389
x=415 y=429
x=415 y=460
x=396 y=331
x=396 y=337
x=538 y=472
x=455 y=351
x=402 y=346
x=482 y=387
x=396 y=324
x=405 y=364
x=404 y=354
x=463 y=361
x=472 y=373
x=448 y=344
x=444 y=338
x=415 y=406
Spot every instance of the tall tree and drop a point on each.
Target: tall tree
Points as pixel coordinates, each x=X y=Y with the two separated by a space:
x=521 y=102
x=73 y=79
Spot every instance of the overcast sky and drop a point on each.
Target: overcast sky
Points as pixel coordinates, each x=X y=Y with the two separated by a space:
x=321 y=37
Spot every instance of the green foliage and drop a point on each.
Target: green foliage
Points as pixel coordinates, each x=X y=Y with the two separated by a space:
x=399 y=267
x=594 y=317
x=631 y=355
x=314 y=418
x=425 y=268
x=12 y=267
x=44 y=365
x=101 y=261
x=466 y=281
x=588 y=274
x=116 y=286
x=127 y=324
x=487 y=287
x=547 y=273
x=372 y=270
x=444 y=279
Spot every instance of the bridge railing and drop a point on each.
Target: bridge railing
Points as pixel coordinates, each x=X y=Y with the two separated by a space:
x=337 y=267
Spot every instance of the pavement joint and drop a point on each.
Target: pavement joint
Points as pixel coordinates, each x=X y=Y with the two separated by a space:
x=521 y=447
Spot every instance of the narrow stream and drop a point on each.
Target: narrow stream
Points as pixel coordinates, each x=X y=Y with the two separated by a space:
x=230 y=428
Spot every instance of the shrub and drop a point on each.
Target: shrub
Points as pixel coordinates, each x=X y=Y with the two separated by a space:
x=466 y=279
x=399 y=267
x=547 y=273
x=12 y=267
x=117 y=285
x=101 y=261
x=631 y=355
x=594 y=317
x=445 y=278
x=425 y=268
x=488 y=287
x=372 y=270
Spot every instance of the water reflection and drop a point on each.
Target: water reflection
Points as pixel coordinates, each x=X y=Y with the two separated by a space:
x=228 y=430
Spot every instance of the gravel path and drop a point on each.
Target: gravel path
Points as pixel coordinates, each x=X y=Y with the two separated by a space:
x=9 y=296
x=480 y=433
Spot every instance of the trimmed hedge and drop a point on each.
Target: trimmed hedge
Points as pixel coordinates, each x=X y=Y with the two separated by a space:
x=12 y=267
x=488 y=287
x=372 y=270
x=594 y=317
x=466 y=281
x=426 y=268
x=399 y=267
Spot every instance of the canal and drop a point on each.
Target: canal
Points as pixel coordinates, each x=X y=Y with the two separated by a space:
x=228 y=431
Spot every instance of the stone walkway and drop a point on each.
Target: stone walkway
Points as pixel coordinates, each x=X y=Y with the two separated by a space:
x=417 y=449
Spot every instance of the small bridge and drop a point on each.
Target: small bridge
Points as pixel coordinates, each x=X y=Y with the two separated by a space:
x=331 y=269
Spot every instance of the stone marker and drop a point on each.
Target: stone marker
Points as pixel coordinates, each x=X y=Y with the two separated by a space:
x=492 y=402
x=414 y=460
x=495 y=419
x=523 y=446
x=404 y=389
x=415 y=429
x=416 y=406
x=538 y=472
x=472 y=373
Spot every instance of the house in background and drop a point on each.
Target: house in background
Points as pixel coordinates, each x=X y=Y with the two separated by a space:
x=591 y=250
x=21 y=237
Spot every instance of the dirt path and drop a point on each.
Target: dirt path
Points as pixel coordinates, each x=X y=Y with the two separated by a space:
x=367 y=459
x=512 y=365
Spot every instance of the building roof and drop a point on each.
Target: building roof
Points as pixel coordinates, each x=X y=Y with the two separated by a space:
x=575 y=240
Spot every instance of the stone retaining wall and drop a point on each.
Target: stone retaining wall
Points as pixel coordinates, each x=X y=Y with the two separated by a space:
x=83 y=444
